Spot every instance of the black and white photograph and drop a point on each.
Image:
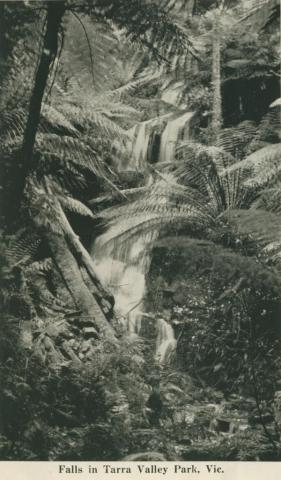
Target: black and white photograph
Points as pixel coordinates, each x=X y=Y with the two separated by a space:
x=140 y=235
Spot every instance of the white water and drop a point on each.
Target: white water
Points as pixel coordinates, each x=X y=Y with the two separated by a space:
x=124 y=274
x=165 y=342
x=123 y=268
x=140 y=135
x=171 y=134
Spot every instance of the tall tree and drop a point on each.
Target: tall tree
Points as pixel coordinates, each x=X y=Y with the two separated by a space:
x=216 y=74
x=55 y=12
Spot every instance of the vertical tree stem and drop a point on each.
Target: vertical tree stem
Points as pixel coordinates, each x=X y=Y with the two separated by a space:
x=55 y=12
x=216 y=80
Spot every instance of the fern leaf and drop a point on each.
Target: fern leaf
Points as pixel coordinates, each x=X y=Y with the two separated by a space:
x=45 y=265
x=75 y=206
x=264 y=165
x=22 y=247
x=56 y=120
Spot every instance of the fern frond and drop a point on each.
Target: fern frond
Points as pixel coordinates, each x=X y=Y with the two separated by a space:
x=164 y=204
x=90 y=117
x=161 y=193
x=12 y=126
x=51 y=117
x=68 y=149
x=202 y=167
x=45 y=265
x=149 y=223
x=75 y=206
x=148 y=24
x=22 y=247
x=264 y=166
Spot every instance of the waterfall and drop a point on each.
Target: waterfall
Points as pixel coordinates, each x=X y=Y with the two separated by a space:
x=165 y=342
x=123 y=268
x=140 y=136
x=140 y=145
x=123 y=272
x=171 y=135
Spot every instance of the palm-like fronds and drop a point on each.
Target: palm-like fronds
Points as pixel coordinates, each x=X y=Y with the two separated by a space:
x=97 y=116
x=201 y=195
x=60 y=143
x=202 y=166
x=263 y=166
x=193 y=196
x=74 y=205
x=146 y=23
x=164 y=204
x=69 y=150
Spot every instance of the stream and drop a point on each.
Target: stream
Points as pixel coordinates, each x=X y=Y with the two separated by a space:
x=124 y=269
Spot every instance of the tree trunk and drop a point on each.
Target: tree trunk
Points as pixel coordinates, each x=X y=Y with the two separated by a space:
x=72 y=277
x=216 y=80
x=55 y=12
x=84 y=259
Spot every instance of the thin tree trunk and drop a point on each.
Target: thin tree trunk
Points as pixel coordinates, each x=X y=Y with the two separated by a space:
x=216 y=80
x=55 y=12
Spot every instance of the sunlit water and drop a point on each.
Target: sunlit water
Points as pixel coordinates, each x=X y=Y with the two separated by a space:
x=123 y=268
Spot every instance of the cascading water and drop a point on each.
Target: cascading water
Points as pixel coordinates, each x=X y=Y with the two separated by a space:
x=140 y=136
x=124 y=267
x=171 y=134
x=123 y=271
x=165 y=341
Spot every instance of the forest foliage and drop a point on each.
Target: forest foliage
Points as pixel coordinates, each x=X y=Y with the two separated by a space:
x=76 y=78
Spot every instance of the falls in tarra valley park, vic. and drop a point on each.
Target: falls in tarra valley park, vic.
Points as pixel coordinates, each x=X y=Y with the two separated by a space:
x=124 y=266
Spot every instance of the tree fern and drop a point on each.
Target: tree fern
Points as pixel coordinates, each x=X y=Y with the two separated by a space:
x=205 y=192
x=202 y=166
